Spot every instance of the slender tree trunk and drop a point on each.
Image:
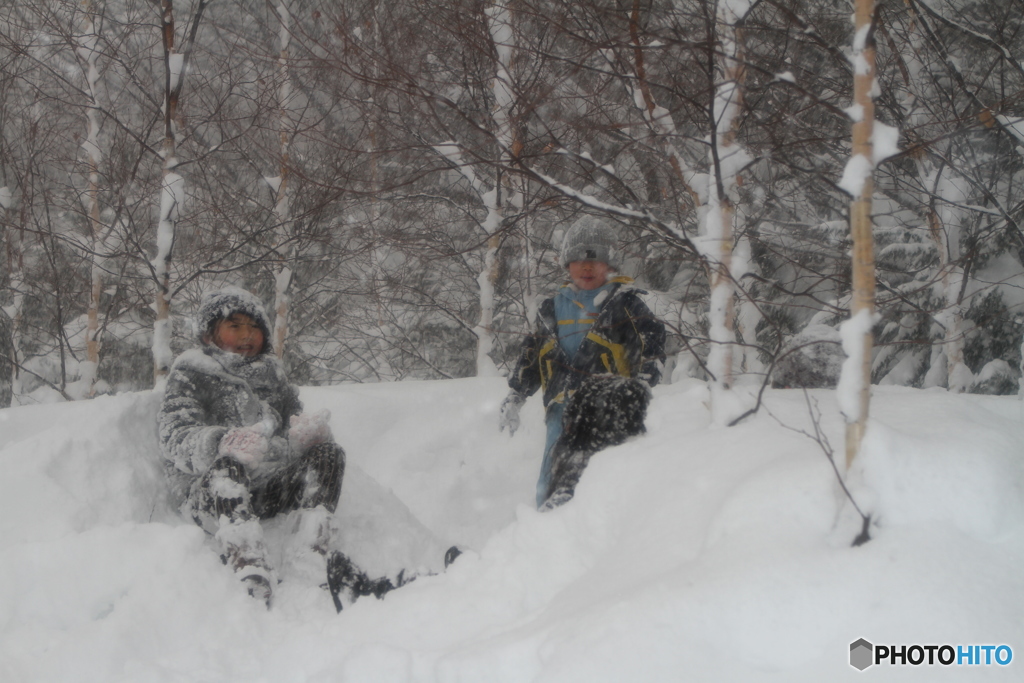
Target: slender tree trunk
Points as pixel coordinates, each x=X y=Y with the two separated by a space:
x=87 y=50
x=946 y=233
x=377 y=283
x=727 y=158
x=855 y=382
x=282 y=208
x=506 y=195
x=749 y=314
x=170 y=193
x=485 y=327
x=529 y=287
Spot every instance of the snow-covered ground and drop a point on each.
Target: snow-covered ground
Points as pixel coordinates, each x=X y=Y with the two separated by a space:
x=694 y=553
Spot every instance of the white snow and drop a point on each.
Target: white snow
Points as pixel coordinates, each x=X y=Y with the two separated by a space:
x=162 y=354
x=274 y=182
x=852 y=332
x=694 y=553
x=1014 y=126
x=860 y=43
x=175 y=62
x=172 y=196
x=856 y=172
x=884 y=141
x=855 y=112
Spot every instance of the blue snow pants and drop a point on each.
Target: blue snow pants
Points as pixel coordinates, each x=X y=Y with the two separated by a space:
x=553 y=420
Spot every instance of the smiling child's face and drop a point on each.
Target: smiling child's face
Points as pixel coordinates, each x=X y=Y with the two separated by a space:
x=239 y=333
x=589 y=275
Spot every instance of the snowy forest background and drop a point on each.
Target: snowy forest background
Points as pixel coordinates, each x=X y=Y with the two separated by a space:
x=394 y=179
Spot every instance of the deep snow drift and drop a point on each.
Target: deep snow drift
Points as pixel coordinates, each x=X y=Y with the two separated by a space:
x=694 y=553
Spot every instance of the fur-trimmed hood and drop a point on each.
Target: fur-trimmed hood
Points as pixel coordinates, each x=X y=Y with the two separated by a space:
x=223 y=303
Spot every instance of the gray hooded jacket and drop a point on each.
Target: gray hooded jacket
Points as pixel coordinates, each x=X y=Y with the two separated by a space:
x=209 y=391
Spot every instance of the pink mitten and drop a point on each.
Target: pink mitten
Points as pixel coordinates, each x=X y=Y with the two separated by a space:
x=309 y=429
x=247 y=445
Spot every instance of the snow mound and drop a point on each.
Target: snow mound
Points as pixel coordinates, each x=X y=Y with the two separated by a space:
x=938 y=471
x=718 y=552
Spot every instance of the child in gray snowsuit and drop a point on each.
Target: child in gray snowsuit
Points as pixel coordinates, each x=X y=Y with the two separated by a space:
x=238 y=444
x=597 y=331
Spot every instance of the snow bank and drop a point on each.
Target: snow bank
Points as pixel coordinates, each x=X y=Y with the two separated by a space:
x=696 y=551
x=939 y=472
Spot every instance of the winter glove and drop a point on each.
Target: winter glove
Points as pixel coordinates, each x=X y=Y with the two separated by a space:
x=508 y=414
x=308 y=429
x=247 y=445
x=651 y=373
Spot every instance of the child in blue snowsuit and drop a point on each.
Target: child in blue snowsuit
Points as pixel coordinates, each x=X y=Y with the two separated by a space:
x=595 y=325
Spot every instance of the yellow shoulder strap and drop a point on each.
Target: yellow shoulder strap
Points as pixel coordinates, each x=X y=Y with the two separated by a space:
x=621 y=364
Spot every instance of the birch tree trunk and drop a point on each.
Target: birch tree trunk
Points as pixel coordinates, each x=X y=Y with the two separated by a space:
x=726 y=159
x=282 y=207
x=854 y=390
x=530 y=297
x=946 y=218
x=87 y=50
x=506 y=195
x=172 y=190
x=377 y=253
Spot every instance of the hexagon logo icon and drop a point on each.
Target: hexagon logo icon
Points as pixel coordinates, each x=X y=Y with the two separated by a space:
x=861 y=654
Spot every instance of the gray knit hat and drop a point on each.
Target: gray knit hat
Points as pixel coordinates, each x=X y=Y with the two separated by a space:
x=225 y=302
x=590 y=239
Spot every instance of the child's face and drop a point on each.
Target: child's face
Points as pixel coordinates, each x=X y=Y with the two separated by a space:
x=238 y=333
x=589 y=274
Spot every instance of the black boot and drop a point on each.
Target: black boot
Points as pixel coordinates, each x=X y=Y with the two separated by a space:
x=451 y=555
x=344 y=579
x=258 y=586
